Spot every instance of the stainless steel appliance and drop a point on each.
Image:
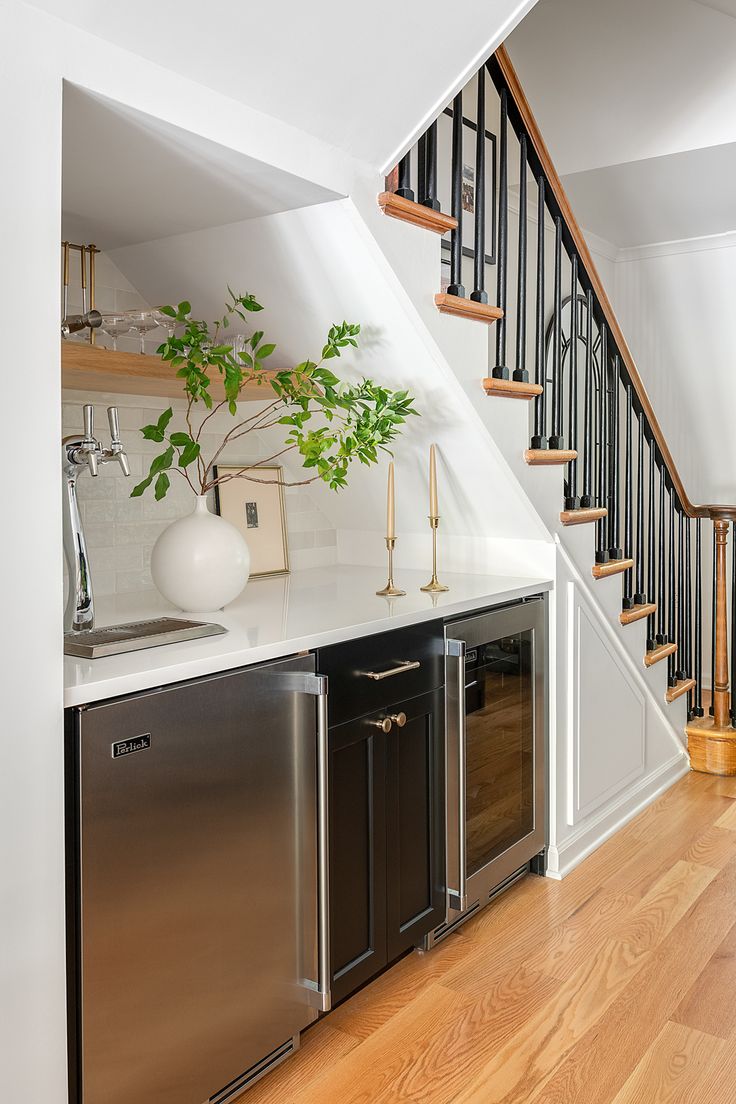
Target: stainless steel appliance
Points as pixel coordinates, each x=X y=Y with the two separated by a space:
x=199 y=936
x=496 y=730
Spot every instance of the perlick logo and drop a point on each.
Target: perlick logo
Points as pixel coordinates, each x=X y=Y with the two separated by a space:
x=127 y=747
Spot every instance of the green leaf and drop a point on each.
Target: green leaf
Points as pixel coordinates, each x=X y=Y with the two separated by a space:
x=185 y=307
x=162 y=485
x=152 y=433
x=168 y=311
x=141 y=487
x=264 y=351
x=181 y=440
x=251 y=305
x=164 y=420
x=189 y=454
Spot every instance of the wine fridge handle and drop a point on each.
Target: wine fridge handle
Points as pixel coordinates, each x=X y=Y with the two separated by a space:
x=323 y=851
x=458 y=896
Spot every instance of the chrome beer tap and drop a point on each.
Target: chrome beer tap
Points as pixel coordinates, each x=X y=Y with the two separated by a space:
x=78 y=453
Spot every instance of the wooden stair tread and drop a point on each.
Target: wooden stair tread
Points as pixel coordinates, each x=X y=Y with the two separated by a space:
x=462 y=307
x=543 y=457
x=511 y=389
x=583 y=515
x=613 y=567
x=637 y=613
x=682 y=687
x=87 y=367
x=659 y=653
x=416 y=213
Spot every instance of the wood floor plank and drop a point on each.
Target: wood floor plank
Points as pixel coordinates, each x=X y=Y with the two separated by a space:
x=598 y=1065
x=709 y=1004
x=558 y=992
x=672 y=1069
x=728 y=817
x=525 y=1062
x=320 y=1048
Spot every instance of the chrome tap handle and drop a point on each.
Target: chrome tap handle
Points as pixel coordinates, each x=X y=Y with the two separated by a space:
x=113 y=419
x=89 y=422
x=116 y=445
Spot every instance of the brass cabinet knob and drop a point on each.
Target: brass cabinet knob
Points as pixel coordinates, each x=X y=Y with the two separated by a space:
x=399 y=719
x=385 y=724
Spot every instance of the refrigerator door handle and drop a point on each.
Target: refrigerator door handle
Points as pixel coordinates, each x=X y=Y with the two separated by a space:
x=458 y=896
x=306 y=683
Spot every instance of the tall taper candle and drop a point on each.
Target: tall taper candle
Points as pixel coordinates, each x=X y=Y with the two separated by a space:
x=434 y=510
x=390 y=518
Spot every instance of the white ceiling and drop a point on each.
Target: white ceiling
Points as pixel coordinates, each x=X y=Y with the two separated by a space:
x=360 y=77
x=634 y=99
x=127 y=177
x=659 y=199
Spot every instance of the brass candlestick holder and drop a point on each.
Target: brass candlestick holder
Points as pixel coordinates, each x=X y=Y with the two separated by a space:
x=390 y=591
x=434 y=586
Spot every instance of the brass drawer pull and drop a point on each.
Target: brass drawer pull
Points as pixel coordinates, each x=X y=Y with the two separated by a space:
x=399 y=719
x=406 y=665
x=385 y=724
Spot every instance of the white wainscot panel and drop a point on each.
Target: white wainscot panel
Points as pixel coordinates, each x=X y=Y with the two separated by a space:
x=607 y=717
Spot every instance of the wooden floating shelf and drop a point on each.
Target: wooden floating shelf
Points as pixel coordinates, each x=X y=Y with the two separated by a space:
x=613 y=567
x=637 y=613
x=92 y=368
x=583 y=515
x=542 y=457
x=511 y=389
x=682 y=687
x=712 y=750
x=658 y=654
x=461 y=307
x=416 y=213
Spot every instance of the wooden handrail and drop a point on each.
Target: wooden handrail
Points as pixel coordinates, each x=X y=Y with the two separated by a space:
x=581 y=247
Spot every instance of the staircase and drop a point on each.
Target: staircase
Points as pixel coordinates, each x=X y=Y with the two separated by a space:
x=581 y=406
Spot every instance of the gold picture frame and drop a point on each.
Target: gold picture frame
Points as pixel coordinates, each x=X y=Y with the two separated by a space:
x=258 y=511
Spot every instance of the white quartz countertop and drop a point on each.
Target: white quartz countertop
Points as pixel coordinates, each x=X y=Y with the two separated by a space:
x=277 y=617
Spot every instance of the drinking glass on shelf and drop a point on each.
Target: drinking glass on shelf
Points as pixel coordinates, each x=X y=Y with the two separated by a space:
x=165 y=321
x=114 y=325
x=141 y=321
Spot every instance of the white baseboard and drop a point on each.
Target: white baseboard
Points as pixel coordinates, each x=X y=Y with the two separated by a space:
x=561 y=860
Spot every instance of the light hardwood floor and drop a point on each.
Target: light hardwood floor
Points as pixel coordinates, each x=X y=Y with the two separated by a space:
x=615 y=986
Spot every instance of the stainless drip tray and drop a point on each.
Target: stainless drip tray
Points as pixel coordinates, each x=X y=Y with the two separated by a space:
x=131 y=637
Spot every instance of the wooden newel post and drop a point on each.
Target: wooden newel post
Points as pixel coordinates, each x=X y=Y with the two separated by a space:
x=721 y=703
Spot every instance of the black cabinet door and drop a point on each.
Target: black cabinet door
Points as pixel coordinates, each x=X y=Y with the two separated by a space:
x=415 y=823
x=357 y=855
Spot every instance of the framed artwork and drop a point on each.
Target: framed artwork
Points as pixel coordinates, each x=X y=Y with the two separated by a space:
x=257 y=509
x=468 y=183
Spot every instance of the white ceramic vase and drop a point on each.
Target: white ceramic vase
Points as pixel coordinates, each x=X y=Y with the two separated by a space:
x=201 y=562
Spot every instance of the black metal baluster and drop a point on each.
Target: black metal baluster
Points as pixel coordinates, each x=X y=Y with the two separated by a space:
x=586 y=499
x=639 y=592
x=601 y=526
x=479 y=294
x=661 y=637
x=698 y=664
x=672 y=627
x=422 y=165
x=614 y=490
x=556 y=439
x=681 y=657
x=651 y=549
x=572 y=500
x=521 y=375
x=688 y=663
x=713 y=630
x=405 y=189
x=628 y=598
x=428 y=197
x=539 y=437
x=456 y=235
x=501 y=371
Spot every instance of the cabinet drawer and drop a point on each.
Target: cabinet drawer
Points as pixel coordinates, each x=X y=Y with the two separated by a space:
x=375 y=672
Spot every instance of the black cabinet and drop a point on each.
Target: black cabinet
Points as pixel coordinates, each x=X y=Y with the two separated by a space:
x=387 y=826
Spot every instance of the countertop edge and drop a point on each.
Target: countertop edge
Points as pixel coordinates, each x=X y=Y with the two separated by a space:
x=199 y=667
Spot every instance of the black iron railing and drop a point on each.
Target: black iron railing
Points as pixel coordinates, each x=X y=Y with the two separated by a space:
x=592 y=399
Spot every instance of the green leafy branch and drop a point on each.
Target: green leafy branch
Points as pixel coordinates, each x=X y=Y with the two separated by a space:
x=355 y=421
